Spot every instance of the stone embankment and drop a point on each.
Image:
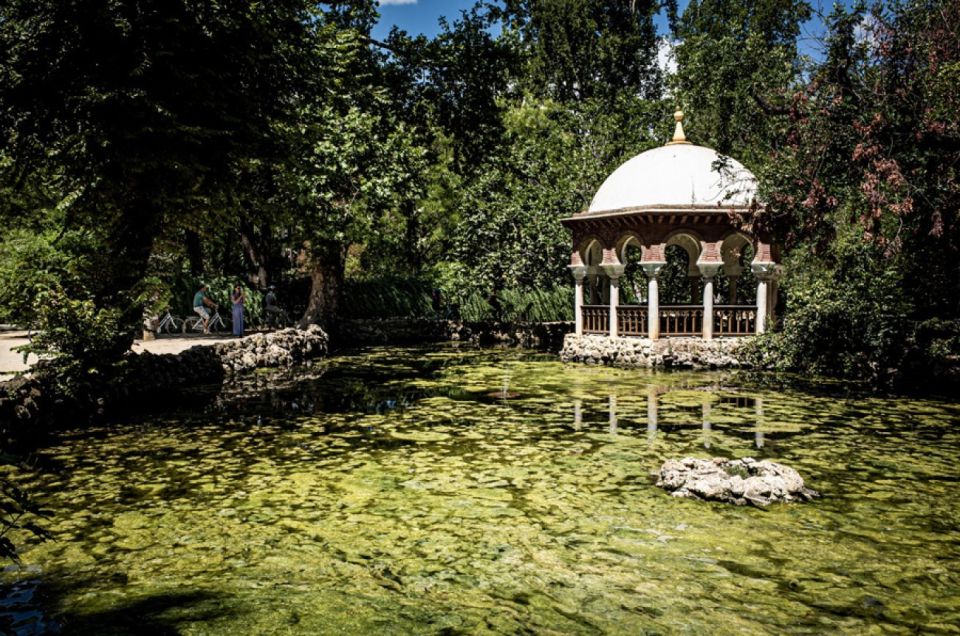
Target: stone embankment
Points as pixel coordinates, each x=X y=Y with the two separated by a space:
x=285 y=348
x=691 y=353
x=34 y=399
x=737 y=481
x=546 y=335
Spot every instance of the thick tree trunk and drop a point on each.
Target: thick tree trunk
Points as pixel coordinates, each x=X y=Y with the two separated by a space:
x=326 y=261
x=258 y=276
x=130 y=244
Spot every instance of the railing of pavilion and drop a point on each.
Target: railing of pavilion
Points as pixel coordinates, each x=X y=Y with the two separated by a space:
x=596 y=319
x=632 y=320
x=681 y=320
x=734 y=320
x=675 y=320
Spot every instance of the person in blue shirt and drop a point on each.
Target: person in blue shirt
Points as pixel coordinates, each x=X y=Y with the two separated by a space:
x=200 y=303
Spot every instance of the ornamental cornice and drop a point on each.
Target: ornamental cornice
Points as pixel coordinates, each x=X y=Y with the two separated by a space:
x=691 y=212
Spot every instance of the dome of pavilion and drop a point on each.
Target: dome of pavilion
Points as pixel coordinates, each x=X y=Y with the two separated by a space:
x=677 y=175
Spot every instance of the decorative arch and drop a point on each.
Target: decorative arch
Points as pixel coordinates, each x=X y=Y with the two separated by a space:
x=731 y=250
x=628 y=240
x=591 y=250
x=690 y=240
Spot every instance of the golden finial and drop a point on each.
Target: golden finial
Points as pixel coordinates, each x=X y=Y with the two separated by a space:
x=678 y=136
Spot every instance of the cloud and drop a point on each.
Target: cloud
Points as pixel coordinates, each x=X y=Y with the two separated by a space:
x=387 y=3
x=666 y=56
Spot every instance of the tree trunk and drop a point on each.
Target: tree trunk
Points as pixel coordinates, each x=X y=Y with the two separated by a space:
x=259 y=278
x=326 y=261
x=130 y=243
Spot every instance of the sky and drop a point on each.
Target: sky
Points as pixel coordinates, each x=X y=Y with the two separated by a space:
x=417 y=16
x=421 y=16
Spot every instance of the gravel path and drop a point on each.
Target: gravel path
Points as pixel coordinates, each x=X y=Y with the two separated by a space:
x=12 y=362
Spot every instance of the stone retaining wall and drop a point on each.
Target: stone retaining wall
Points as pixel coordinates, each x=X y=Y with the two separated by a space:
x=32 y=400
x=690 y=353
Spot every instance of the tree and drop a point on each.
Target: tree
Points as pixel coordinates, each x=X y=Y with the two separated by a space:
x=133 y=114
x=350 y=167
x=582 y=49
x=737 y=63
x=864 y=186
x=455 y=83
x=555 y=158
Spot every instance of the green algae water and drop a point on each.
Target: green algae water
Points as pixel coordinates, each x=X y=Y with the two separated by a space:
x=436 y=490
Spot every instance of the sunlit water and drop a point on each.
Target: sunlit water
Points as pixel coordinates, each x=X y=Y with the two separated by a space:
x=444 y=491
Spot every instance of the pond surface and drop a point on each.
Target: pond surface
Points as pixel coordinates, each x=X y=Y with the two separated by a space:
x=489 y=491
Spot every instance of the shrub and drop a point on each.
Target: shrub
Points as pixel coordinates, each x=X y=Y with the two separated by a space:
x=847 y=320
x=80 y=341
x=516 y=305
x=476 y=308
x=388 y=298
x=29 y=264
x=538 y=305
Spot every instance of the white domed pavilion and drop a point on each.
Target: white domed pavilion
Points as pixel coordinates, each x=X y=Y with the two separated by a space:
x=684 y=195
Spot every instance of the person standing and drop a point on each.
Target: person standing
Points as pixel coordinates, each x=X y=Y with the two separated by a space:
x=276 y=316
x=237 y=298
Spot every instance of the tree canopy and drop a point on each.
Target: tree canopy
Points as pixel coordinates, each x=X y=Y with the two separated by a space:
x=147 y=145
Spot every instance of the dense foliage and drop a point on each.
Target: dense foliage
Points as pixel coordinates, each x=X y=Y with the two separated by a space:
x=149 y=145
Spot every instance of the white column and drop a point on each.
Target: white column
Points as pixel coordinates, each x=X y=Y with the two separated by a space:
x=653 y=308
x=613 y=414
x=708 y=308
x=614 y=272
x=652 y=270
x=709 y=270
x=614 y=302
x=761 y=305
x=579 y=273
x=763 y=272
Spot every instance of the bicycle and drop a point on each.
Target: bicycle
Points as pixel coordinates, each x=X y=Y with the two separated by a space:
x=214 y=325
x=170 y=324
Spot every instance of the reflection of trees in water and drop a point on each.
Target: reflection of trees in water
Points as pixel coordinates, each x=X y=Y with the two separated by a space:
x=382 y=386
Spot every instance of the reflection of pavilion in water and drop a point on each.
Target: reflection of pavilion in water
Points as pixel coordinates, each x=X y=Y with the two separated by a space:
x=654 y=393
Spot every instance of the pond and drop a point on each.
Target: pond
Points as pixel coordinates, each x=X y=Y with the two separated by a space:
x=437 y=490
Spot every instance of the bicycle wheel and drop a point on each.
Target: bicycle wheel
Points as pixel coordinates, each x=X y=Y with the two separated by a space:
x=192 y=324
x=168 y=325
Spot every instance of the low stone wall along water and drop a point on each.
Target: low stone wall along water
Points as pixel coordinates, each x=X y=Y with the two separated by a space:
x=34 y=399
x=685 y=353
